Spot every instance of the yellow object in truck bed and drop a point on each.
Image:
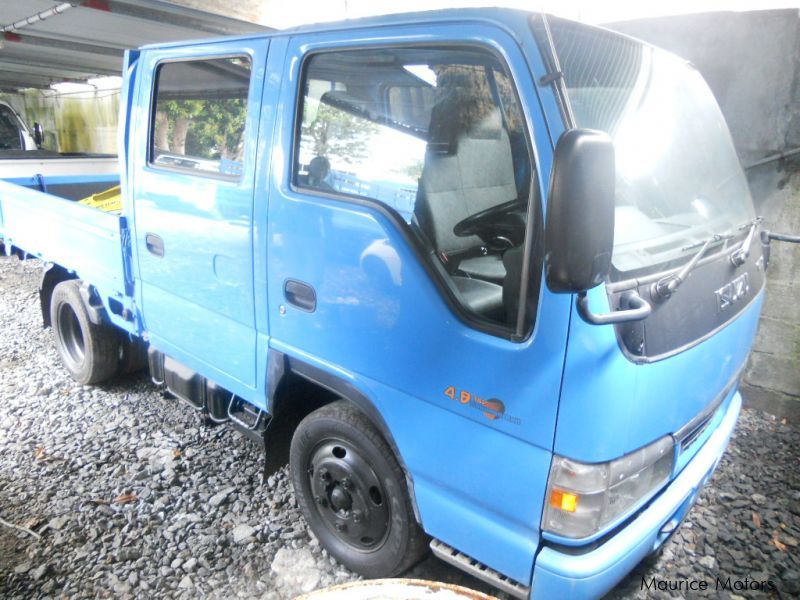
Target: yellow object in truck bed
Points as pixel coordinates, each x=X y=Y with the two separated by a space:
x=109 y=200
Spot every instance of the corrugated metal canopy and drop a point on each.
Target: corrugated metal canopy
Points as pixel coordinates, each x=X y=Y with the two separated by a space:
x=46 y=41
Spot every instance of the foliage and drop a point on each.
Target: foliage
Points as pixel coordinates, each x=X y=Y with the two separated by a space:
x=336 y=134
x=414 y=169
x=209 y=128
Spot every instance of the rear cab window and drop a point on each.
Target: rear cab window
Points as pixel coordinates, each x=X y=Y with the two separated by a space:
x=198 y=124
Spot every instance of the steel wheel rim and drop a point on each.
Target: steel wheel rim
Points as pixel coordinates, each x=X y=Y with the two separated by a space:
x=348 y=496
x=69 y=330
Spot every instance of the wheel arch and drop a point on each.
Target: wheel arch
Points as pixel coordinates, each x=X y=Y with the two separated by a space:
x=285 y=375
x=52 y=275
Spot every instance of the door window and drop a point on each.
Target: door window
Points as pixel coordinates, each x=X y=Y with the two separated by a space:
x=198 y=123
x=438 y=135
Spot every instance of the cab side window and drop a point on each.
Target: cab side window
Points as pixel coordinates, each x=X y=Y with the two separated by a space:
x=198 y=122
x=438 y=135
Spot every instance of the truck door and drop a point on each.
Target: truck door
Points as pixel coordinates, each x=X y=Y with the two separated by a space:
x=193 y=158
x=411 y=206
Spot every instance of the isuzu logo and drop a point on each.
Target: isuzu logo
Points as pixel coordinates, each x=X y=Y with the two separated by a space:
x=732 y=292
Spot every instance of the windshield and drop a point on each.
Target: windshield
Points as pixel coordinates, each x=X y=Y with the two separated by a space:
x=679 y=180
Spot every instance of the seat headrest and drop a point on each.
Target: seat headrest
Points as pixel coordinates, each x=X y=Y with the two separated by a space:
x=487 y=128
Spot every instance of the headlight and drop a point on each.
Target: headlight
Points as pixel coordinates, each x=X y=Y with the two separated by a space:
x=583 y=499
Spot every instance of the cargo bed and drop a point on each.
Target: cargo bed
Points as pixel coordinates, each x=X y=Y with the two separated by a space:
x=84 y=240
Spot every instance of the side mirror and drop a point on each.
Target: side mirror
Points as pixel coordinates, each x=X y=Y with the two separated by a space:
x=38 y=134
x=579 y=232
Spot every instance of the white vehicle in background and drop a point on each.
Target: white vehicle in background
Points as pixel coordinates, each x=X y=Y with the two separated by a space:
x=14 y=134
x=25 y=162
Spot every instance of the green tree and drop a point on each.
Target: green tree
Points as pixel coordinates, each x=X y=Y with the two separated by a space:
x=206 y=128
x=219 y=130
x=338 y=134
x=414 y=169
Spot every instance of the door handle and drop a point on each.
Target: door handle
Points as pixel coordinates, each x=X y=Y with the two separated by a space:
x=154 y=243
x=300 y=295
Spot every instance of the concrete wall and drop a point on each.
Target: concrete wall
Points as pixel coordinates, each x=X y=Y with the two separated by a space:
x=752 y=63
x=772 y=379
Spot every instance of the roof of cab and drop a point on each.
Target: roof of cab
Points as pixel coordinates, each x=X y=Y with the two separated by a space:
x=497 y=15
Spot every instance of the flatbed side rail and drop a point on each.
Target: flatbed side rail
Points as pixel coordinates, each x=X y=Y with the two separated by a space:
x=80 y=239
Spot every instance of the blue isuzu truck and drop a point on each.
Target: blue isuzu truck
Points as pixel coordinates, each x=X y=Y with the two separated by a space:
x=486 y=280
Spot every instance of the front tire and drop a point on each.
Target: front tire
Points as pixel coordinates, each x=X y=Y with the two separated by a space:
x=91 y=353
x=353 y=494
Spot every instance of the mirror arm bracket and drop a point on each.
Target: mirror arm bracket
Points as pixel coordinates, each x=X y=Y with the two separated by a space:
x=782 y=237
x=768 y=236
x=637 y=309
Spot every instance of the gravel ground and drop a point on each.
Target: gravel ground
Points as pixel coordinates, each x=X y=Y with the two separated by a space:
x=133 y=497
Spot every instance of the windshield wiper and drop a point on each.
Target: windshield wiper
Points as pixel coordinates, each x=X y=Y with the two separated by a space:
x=666 y=286
x=739 y=257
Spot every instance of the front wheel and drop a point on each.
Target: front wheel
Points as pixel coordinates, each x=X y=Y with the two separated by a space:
x=353 y=494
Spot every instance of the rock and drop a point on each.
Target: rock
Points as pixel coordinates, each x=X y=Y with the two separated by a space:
x=791 y=582
x=122 y=587
x=296 y=571
x=758 y=498
x=242 y=533
x=703 y=523
x=39 y=572
x=789 y=540
x=186 y=583
x=190 y=565
x=57 y=522
x=221 y=497
x=127 y=554
x=708 y=562
x=22 y=568
x=145 y=453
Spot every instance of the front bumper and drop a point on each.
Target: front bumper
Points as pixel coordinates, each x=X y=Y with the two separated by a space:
x=592 y=574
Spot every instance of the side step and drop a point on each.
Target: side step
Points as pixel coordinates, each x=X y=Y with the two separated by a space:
x=479 y=570
x=213 y=403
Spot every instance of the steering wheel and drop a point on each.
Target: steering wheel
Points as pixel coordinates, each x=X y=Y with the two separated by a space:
x=483 y=220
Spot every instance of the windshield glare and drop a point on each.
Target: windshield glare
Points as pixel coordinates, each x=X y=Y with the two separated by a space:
x=679 y=180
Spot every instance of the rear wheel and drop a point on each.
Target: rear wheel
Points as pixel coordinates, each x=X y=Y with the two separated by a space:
x=133 y=355
x=353 y=494
x=91 y=353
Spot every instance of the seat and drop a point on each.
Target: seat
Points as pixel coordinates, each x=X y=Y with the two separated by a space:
x=481 y=297
x=512 y=260
x=490 y=267
x=463 y=174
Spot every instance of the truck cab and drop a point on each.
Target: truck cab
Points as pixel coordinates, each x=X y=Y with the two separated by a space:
x=487 y=280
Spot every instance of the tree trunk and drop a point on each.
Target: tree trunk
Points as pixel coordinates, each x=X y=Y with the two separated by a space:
x=162 y=131
x=179 y=135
